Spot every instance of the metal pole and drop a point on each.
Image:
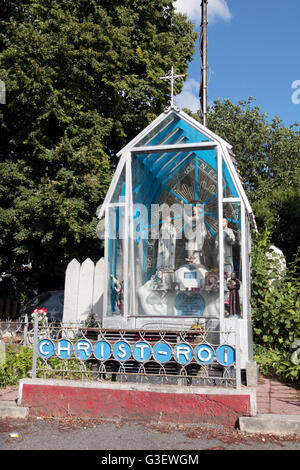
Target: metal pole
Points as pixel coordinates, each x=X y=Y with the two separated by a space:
x=26 y=330
x=220 y=232
x=203 y=55
x=126 y=238
x=35 y=342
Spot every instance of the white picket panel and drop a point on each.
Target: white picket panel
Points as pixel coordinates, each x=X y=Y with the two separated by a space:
x=71 y=292
x=98 y=289
x=84 y=285
x=85 y=291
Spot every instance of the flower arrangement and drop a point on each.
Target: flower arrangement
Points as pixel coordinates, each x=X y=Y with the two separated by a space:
x=40 y=314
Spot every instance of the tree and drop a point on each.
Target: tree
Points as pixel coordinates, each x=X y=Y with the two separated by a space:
x=267 y=155
x=82 y=78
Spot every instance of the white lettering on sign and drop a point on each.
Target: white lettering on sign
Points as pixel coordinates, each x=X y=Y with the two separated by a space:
x=122 y=352
x=142 y=347
x=85 y=347
x=41 y=349
x=225 y=355
x=61 y=349
x=207 y=356
x=183 y=350
x=161 y=352
x=46 y=348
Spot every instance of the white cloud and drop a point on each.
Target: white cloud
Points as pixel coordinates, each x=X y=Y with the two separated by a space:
x=217 y=10
x=189 y=97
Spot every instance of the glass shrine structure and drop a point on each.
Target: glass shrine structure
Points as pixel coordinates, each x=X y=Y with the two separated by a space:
x=177 y=233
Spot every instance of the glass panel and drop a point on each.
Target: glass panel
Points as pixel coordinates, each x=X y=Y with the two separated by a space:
x=175 y=234
x=157 y=131
x=115 y=301
x=232 y=259
x=172 y=130
x=229 y=189
x=119 y=192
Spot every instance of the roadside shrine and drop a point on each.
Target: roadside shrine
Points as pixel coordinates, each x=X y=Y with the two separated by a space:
x=176 y=228
x=174 y=337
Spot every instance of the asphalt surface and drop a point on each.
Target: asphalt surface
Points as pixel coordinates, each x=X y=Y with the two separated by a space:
x=119 y=438
x=124 y=438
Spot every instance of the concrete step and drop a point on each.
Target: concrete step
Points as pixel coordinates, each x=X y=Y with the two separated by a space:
x=9 y=409
x=271 y=424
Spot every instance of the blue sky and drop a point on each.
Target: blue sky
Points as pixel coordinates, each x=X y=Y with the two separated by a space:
x=254 y=50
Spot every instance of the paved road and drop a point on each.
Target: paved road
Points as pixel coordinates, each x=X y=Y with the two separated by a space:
x=79 y=434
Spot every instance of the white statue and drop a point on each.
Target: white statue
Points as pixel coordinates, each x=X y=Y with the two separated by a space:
x=195 y=232
x=229 y=241
x=166 y=246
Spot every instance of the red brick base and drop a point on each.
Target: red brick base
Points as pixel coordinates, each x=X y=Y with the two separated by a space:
x=140 y=403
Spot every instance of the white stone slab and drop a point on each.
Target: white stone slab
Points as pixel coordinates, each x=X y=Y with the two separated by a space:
x=98 y=289
x=85 y=291
x=71 y=292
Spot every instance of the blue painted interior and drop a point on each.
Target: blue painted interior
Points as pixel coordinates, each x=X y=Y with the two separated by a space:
x=153 y=173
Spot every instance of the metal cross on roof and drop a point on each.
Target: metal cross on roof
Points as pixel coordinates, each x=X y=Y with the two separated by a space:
x=172 y=79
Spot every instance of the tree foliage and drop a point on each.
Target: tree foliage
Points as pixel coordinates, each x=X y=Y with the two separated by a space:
x=82 y=78
x=275 y=311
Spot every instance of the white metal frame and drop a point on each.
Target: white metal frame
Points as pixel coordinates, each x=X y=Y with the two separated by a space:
x=221 y=236
x=126 y=154
x=131 y=146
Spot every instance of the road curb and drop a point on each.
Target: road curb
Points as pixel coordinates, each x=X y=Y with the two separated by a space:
x=9 y=409
x=271 y=424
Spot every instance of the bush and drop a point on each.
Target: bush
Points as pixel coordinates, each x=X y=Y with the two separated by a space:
x=18 y=364
x=275 y=312
x=274 y=362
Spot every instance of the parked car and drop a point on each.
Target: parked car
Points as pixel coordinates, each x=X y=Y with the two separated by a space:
x=50 y=302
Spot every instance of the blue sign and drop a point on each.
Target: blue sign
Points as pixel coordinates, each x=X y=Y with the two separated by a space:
x=142 y=351
x=189 y=305
x=122 y=351
x=204 y=353
x=183 y=353
x=225 y=355
x=102 y=350
x=83 y=349
x=46 y=348
x=64 y=349
x=162 y=352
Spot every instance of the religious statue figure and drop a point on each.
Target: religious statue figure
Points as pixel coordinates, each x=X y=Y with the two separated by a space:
x=233 y=285
x=196 y=231
x=166 y=246
x=118 y=292
x=229 y=241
